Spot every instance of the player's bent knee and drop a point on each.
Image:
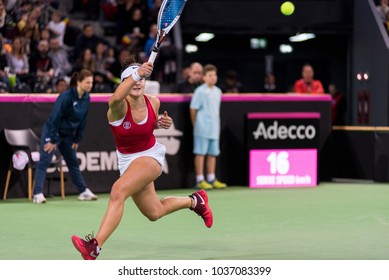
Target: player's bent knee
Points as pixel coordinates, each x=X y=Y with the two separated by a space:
x=117 y=192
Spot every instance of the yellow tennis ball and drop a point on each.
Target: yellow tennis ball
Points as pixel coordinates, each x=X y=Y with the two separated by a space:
x=287 y=8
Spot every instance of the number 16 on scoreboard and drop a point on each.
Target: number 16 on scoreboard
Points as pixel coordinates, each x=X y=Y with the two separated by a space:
x=280 y=168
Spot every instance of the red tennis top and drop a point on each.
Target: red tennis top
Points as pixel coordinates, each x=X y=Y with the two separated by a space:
x=131 y=137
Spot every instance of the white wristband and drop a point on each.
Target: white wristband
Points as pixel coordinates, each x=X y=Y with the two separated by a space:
x=136 y=76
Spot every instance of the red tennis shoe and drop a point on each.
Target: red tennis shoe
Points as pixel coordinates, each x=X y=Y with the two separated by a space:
x=201 y=207
x=88 y=248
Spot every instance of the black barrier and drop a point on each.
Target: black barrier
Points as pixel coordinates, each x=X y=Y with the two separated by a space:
x=360 y=152
x=97 y=150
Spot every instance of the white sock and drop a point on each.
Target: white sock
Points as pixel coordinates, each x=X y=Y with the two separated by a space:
x=199 y=178
x=194 y=202
x=211 y=177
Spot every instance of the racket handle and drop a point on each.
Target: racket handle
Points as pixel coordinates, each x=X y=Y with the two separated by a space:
x=152 y=57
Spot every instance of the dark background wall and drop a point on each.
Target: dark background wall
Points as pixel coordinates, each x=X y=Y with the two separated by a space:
x=235 y=22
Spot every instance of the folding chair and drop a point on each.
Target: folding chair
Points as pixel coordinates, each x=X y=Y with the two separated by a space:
x=26 y=140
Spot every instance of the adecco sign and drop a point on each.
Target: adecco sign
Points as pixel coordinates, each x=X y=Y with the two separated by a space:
x=286 y=130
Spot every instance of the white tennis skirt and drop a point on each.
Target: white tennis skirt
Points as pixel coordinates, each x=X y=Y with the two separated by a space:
x=157 y=152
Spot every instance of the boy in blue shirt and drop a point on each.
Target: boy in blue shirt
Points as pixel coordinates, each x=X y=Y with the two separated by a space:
x=205 y=117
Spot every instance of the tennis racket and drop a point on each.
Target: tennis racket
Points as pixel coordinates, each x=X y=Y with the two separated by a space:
x=168 y=15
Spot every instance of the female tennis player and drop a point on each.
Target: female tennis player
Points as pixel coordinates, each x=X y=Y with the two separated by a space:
x=132 y=116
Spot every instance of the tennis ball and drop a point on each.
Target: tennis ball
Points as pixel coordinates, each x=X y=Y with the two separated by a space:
x=287 y=8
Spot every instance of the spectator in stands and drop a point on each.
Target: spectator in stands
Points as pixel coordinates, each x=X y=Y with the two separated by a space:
x=86 y=61
x=4 y=69
x=41 y=67
x=150 y=42
x=194 y=80
x=87 y=39
x=35 y=18
x=60 y=86
x=154 y=10
x=269 y=85
x=45 y=34
x=30 y=41
x=166 y=68
x=382 y=10
x=101 y=58
x=102 y=67
x=100 y=84
x=111 y=57
x=33 y=23
x=59 y=58
x=231 y=83
x=57 y=27
x=339 y=105
x=18 y=61
x=117 y=65
x=125 y=10
x=308 y=84
x=3 y=16
x=184 y=73
x=136 y=29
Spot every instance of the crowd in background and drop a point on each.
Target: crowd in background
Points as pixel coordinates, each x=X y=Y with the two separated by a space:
x=41 y=47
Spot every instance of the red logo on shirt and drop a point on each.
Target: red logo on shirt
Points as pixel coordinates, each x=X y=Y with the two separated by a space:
x=126 y=125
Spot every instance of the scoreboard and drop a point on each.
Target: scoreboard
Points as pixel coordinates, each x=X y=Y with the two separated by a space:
x=283 y=149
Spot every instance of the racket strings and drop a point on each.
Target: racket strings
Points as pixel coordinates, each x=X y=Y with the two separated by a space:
x=171 y=10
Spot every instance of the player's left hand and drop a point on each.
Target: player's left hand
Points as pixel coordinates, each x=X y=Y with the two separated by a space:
x=165 y=121
x=75 y=146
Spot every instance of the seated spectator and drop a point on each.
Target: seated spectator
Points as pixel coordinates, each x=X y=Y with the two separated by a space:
x=45 y=35
x=135 y=37
x=103 y=64
x=117 y=65
x=269 y=85
x=111 y=57
x=307 y=84
x=60 y=86
x=231 y=83
x=59 y=59
x=30 y=42
x=150 y=42
x=124 y=17
x=41 y=67
x=17 y=61
x=194 y=80
x=4 y=69
x=3 y=16
x=87 y=40
x=57 y=27
x=85 y=61
x=33 y=23
x=166 y=68
x=100 y=84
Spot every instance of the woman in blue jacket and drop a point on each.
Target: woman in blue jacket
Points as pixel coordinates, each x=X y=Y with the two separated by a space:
x=64 y=130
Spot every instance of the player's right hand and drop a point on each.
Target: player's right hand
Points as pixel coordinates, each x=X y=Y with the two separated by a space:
x=49 y=147
x=145 y=69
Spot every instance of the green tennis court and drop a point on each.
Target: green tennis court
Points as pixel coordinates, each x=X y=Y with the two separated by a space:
x=330 y=222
